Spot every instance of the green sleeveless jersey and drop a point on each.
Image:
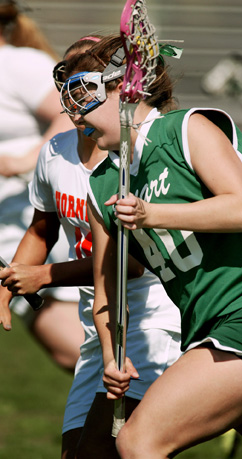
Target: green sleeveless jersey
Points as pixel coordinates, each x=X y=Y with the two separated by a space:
x=201 y=272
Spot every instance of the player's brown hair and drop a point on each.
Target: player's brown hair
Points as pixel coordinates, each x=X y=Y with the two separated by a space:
x=97 y=58
x=19 y=30
x=87 y=41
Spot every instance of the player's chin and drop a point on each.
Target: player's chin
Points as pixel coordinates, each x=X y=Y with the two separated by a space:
x=99 y=140
x=104 y=143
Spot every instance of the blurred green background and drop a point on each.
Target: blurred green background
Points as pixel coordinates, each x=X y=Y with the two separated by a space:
x=33 y=394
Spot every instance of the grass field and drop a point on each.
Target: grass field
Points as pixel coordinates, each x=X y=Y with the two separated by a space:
x=33 y=393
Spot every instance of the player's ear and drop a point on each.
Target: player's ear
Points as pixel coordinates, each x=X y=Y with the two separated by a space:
x=119 y=87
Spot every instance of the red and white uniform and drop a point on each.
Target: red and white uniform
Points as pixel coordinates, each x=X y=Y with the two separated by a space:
x=153 y=341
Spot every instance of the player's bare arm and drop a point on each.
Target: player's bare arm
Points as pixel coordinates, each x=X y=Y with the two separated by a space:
x=218 y=166
x=104 y=268
x=28 y=278
x=32 y=250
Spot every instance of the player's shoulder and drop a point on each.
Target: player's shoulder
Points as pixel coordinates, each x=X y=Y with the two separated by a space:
x=168 y=126
x=62 y=145
x=170 y=120
x=175 y=122
x=218 y=117
x=175 y=117
x=63 y=142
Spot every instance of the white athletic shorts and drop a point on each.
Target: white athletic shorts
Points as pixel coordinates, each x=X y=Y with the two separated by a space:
x=151 y=351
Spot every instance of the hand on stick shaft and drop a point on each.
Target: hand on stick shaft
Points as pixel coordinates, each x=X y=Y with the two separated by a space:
x=132 y=211
x=116 y=382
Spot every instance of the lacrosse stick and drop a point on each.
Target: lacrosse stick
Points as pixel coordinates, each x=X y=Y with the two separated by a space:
x=141 y=51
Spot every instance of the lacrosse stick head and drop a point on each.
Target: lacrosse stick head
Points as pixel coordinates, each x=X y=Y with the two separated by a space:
x=141 y=50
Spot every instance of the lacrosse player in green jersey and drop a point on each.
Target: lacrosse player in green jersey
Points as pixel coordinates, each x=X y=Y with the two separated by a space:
x=184 y=214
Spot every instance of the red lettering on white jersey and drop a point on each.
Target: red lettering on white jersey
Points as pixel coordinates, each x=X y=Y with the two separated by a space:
x=71 y=207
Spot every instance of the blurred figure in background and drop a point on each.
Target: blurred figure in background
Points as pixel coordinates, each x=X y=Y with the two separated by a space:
x=30 y=115
x=225 y=78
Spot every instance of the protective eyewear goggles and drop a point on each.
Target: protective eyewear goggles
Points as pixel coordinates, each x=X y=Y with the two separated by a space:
x=82 y=93
x=85 y=91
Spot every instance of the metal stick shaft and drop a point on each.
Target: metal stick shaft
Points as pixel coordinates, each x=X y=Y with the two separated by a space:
x=126 y=118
